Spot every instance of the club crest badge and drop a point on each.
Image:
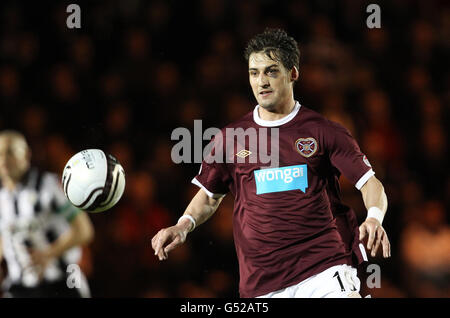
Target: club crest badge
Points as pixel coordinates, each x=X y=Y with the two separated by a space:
x=306 y=146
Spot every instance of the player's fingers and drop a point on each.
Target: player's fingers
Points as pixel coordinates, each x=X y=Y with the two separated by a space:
x=173 y=244
x=28 y=266
x=162 y=237
x=386 y=245
x=160 y=253
x=379 y=235
x=168 y=237
x=154 y=242
x=385 y=248
x=362 y=231
x=389 y=247
x=372 y=231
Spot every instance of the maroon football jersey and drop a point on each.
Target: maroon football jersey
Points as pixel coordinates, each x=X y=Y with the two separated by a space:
x=284 y=223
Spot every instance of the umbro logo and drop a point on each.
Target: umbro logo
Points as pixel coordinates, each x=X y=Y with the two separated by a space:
x=243 y=153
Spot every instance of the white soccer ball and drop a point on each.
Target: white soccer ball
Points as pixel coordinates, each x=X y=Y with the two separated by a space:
x=93 y=180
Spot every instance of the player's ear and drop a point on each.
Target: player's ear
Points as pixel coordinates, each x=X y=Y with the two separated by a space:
x=295 y=74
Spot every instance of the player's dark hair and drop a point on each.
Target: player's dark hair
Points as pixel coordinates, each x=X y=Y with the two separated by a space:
x=277 y=45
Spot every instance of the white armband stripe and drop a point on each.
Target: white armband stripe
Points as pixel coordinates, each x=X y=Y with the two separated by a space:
x=209 y=193
x=362 y=181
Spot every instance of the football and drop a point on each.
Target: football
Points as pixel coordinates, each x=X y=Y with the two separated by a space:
x=93 y=180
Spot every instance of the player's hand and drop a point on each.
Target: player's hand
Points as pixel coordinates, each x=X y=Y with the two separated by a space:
x=167 y=239
x=377 y=235
x=40 y=260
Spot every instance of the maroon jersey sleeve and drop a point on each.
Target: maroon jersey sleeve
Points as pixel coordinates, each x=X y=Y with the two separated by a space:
x=213 y=176
x=346 y=155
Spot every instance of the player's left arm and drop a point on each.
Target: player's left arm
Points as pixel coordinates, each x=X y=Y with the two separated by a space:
x=375 y=200
x=347 y=157
x=80 y=233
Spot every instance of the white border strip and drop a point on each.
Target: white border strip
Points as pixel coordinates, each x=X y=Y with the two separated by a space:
x=364 y=179
x=209 y=193
x=363 y=252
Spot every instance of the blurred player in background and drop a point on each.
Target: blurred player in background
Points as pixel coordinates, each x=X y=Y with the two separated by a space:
x=41 y=233
x=293 y=239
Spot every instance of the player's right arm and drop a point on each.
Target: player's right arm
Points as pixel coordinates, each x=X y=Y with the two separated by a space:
x=201 y=208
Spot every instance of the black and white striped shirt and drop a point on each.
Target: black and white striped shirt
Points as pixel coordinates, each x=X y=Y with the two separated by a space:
x=34 y=215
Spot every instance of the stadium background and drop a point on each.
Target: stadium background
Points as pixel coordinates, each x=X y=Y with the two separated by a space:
x=136 y=70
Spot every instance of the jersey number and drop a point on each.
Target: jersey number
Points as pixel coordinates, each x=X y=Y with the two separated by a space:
x=340 y=282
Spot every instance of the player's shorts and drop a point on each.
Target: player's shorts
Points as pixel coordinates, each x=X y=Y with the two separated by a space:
x=47 y=289
x=54 y=289
x=340 y=281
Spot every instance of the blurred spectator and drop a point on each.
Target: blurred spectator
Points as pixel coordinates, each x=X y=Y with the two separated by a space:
x=124 y=153
x=426 y=252
x=27 y=49
x=118 y=121
x=383 y=140
x=9 y=82
x=235 y=107
x=422 y=39
x=190 y=110
x=34 y=121
x=58 y=153
x=166 y=80
x=111 y=85
x=82 y=53
x=64 y=83
x=159 y=14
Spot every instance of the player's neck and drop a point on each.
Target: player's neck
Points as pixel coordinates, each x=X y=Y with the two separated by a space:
x=280 y=111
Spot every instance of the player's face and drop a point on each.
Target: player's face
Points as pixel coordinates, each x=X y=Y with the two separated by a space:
x=14 y=158
x=271 y=82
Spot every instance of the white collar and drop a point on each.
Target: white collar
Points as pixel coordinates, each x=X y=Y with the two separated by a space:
x=278 y=122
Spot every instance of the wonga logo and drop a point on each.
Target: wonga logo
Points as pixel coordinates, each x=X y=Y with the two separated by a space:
x=281 y=179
